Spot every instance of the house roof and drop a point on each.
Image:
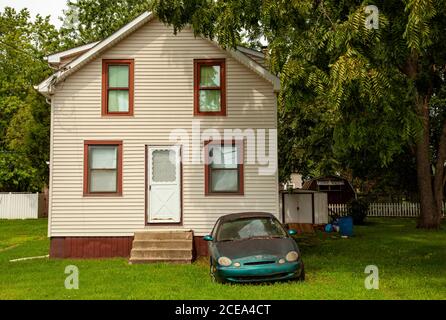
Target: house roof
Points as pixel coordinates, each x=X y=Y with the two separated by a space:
x=56 y=58
x=91 y=51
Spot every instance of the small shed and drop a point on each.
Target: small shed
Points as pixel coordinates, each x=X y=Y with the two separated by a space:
x=304 y=207
x=338 y=189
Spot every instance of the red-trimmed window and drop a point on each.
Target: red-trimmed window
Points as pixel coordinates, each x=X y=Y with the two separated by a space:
x=210 y=87
x=224 y=168
x=117 y=87
x=103 y=168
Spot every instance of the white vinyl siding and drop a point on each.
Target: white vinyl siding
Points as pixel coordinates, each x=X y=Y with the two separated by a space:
x=164 y=101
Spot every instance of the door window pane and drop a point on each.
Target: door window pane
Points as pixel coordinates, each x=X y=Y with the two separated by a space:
x=210 y=100
x=118 y=101
x=210 y=76
x=224 y=180
x=118 y=76
x=164 y=167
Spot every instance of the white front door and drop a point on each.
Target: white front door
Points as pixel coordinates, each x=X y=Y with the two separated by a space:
x=164 y=170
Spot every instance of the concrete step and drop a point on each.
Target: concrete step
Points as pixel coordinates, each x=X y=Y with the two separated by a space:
x=153 y=260
x=161 y=254
x=166 y=246
x=163 y=244
x=163 y=235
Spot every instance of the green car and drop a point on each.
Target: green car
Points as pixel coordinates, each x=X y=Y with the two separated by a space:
x=253 y=247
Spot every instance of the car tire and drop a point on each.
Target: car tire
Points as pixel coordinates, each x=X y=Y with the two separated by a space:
x=214 y=277
x=301 y=277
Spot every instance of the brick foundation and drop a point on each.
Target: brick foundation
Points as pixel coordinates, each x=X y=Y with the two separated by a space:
x=104 y=247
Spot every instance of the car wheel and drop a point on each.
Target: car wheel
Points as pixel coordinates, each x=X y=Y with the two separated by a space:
x=302 y=275
x=214 y=277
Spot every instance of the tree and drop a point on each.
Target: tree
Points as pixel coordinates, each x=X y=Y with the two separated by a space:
x=87 y=21
x=346 y=88
x=24 y=114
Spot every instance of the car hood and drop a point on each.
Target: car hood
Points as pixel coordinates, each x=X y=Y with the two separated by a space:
x=256 y=247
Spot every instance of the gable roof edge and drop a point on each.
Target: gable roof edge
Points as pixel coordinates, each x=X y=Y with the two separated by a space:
x=257 y=68
x=45 y=87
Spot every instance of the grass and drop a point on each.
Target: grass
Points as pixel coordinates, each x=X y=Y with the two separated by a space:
x=411 y=263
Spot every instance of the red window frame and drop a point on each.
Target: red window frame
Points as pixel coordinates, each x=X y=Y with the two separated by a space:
x=105 y=85
x=208 y=169
x=222 y=88
x=87 y=192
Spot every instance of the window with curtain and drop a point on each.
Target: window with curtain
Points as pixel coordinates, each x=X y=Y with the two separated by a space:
x=224 y=168
x=103 y=168
x=210 y=87
x=118 y=87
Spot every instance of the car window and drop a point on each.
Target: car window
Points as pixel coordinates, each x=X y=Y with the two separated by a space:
x=250 y=228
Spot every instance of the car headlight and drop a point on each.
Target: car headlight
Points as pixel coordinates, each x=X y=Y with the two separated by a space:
x=224 y=261
x=292 y=256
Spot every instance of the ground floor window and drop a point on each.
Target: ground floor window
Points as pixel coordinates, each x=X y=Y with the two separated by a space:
x=103 y=168
x=224 y=168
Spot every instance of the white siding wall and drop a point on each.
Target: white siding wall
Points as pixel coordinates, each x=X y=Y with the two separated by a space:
x=163 y=102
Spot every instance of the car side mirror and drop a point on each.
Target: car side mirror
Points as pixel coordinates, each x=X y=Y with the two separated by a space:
x=292 y=232
x=208 y=238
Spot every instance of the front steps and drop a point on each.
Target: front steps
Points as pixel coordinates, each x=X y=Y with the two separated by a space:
x=169 y=246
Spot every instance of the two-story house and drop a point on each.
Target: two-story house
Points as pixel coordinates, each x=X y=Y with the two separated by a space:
x=141 y=155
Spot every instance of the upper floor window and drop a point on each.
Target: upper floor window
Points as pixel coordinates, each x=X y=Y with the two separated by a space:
x=117 y=87
x=210 y=87
x=103 y=168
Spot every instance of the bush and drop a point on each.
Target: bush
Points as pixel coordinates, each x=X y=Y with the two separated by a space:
x=357 y=209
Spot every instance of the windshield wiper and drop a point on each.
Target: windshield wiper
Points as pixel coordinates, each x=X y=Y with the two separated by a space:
x=264 y=237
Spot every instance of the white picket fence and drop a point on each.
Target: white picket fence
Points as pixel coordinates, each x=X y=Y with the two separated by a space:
x=19 y=206
x=400 y=209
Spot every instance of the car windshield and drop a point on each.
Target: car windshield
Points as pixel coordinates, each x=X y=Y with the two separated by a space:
x=249 y=228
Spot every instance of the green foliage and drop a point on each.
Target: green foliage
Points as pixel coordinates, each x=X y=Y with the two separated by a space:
x=24 y=114
x=17 y=173
x=358 y=209
x=87 y=21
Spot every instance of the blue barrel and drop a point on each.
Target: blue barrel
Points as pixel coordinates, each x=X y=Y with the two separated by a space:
x=346 y=226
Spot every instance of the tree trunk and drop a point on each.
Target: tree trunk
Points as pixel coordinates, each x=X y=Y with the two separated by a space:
x=430 y=188
x=440 y=177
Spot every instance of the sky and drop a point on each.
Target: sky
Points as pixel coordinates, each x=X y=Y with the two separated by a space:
x=42 y=7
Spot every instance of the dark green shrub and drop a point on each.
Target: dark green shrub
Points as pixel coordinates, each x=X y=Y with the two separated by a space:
x=357 y=209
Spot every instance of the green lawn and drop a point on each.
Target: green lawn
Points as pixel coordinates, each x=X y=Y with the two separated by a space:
x=412 y=265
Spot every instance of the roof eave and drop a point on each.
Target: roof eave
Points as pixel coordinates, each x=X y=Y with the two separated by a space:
x=56 y=58
x=264 y=73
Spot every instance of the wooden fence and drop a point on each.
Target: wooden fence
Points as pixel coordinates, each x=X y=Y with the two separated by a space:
x=403 y=209
x=19 y=205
